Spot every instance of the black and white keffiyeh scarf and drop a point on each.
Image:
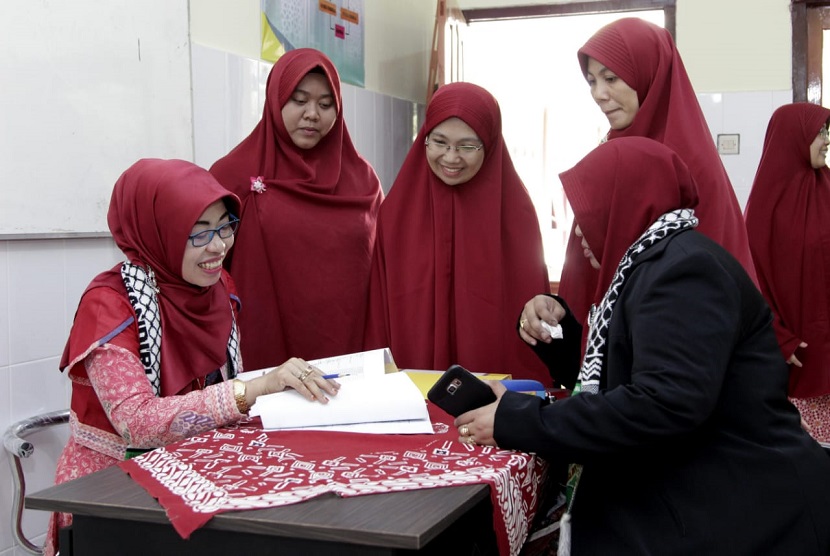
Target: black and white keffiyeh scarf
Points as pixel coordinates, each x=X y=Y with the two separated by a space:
x=142 y=291
x=599 y=321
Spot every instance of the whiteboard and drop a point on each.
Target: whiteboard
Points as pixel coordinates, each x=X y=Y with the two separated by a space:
x=86 y=88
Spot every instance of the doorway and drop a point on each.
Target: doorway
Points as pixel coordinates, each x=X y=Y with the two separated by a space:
x=549 y=119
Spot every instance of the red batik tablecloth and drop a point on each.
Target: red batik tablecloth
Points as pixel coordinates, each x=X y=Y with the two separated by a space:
x=248 y=468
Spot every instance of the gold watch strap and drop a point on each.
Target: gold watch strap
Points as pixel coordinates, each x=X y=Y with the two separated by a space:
x=239 y=389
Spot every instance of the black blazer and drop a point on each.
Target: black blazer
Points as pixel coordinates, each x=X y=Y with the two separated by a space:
x=691 y=447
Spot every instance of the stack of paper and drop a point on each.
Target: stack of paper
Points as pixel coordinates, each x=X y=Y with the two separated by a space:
x=365 y=363
x=388 y=403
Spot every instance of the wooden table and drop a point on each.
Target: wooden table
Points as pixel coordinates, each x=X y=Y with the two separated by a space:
x=114 y=515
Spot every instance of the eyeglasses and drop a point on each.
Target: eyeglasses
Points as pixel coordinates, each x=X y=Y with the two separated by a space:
x=824 y=133
x=437 y=146
x=226 y=230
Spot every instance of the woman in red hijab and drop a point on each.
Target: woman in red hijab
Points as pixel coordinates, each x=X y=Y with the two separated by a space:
x=788 y=220
x=638 y=80
x=309 y=203
x=154 y=345
x=459 y=247
x=681 y=436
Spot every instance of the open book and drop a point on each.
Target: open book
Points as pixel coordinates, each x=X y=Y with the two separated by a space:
x=370 y=399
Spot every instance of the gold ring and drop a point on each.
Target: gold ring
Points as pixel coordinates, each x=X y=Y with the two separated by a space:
x=463 y=430
x=305 y=374
x=470 y=440
x=522 y=323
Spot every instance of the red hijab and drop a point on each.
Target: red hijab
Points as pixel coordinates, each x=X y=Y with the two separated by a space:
x=788 y=219
x=302 y=258
x=152 y=211
x=453 y=266
x=618 y=190
x=646 y=58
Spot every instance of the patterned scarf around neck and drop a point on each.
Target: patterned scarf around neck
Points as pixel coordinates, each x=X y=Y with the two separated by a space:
x=599 y=321
x=142 y=292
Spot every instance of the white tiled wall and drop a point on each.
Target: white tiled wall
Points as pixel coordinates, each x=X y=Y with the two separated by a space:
x=40 y=284
x=747 y=114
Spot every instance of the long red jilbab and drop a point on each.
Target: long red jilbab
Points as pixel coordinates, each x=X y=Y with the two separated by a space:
x=454 y=265
x=302 y=258
x=645 y=57
x=788 y=220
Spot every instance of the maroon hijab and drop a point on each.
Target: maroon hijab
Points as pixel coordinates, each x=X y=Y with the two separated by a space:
x=788 y=220
x=152 y=211
x=646 y=58
x=302 y=258
x=620 y=189
x=453 y=266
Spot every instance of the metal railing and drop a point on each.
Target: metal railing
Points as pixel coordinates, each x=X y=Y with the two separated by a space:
x=14 y=439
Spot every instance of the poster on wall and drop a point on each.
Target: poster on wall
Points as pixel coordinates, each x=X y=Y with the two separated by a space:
x=334 y=27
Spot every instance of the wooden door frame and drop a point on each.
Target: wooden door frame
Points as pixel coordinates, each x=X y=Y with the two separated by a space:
x=809 y=19
x=577 y=8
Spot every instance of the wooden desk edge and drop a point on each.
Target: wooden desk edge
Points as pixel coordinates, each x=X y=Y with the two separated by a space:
x=353 y=526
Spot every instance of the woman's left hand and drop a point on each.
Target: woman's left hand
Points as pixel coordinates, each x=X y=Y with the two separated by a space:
x=478 y=426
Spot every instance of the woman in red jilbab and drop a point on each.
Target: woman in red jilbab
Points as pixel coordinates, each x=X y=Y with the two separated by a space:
x=309 y=203
x=788 y=220
x=638 y=80
x=459 y=247
x=154 y=347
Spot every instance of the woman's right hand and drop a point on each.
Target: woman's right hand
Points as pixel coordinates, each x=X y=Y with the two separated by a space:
x=540 y=308
x=297 y=374
x=793 y=360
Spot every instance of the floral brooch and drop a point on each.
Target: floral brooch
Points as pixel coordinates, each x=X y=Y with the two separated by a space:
x=257 y=185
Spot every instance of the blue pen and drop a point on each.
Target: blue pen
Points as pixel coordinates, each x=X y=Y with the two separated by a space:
x=335 y=375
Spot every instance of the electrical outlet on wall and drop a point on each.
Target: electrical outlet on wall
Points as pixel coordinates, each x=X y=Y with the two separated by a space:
x=729 y=143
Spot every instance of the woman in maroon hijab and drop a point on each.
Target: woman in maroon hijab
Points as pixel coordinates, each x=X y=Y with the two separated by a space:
x=309 y=203
x=788 y=220
x=638 y=80
x=681 y=436
x=459 y=247
x=154 y=345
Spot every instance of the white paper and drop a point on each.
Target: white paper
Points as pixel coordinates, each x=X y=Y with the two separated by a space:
x=379 y=399
x=415 y=426
x=370 y=363
x=554 y=331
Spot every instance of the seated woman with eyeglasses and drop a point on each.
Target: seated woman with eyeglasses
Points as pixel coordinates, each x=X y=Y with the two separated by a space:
x=458 y=246
x=154 y=347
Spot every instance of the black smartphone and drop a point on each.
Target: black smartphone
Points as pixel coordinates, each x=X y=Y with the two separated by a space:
x=458 y=391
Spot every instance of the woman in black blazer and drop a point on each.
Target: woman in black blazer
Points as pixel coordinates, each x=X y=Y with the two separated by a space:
x=680 y=435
